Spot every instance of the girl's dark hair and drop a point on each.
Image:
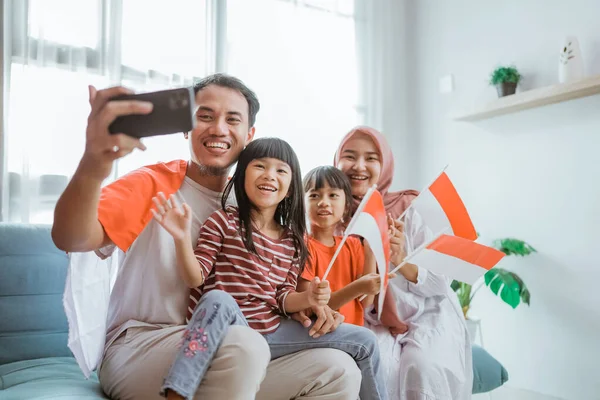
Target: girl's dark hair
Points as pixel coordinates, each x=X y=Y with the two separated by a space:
x=290 y=212
x=335 y=179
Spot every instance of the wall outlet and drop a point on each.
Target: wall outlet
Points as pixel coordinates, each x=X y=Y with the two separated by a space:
x=447 y=84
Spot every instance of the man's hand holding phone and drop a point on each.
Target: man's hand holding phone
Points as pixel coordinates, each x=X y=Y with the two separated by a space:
x=102 y=147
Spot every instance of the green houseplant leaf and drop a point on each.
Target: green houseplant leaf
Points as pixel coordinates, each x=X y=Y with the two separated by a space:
x=510 y=246
x=508 y=285
x=503 y=283
x=464 y=293
x=505 y=74
x=455 y=285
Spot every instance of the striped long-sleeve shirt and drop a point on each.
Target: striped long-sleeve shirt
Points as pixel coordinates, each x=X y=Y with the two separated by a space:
x=258 y=283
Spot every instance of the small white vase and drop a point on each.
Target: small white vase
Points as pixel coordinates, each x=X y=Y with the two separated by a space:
x=473 y=326
x=570 y=63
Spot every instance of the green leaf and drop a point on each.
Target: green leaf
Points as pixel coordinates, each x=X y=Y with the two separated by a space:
x=510 y=246
x=505 y=74
x=463 y=292
x=488 y=277
x=511 y=294
x=455 y=285
x=495 y=284
x=508 y=285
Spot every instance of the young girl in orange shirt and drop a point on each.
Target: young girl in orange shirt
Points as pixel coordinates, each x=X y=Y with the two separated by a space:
x=328 y=195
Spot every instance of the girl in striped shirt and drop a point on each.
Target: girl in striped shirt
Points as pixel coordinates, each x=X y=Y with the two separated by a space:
x=245 y=268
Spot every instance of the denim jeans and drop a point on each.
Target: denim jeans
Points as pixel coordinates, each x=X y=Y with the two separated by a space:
x=359 y=342
x=217 y=311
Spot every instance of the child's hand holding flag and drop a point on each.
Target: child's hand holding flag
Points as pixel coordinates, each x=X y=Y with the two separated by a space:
x=370 y=284
x=397 y=247
x=318 y=292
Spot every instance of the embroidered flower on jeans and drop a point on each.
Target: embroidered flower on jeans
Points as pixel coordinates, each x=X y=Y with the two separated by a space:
x=192 y=348
x=204 y=340
x=188 y=353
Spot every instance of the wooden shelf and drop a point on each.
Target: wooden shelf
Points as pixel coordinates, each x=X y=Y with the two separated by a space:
x=534 y=98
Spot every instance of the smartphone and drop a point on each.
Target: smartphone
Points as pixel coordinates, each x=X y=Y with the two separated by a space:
x=173 y=112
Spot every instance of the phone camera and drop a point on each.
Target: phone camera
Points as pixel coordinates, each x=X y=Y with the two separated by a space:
x=178 y=100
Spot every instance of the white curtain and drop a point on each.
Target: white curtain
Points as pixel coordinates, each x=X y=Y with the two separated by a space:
x=169 y=42
x=386 y=62
x=57 y=48
x=299 y=56
x=49 y=72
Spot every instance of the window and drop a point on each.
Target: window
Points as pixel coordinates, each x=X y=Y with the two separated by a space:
x=299 y=56
x=301 y=61
x=55 y=56
x=65 y=22
x=163 y=47
x=59 y=47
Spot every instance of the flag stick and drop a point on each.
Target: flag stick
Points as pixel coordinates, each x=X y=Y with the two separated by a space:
x=346 y=233
x=407 y=260
x=337 y=251
x=418 y=250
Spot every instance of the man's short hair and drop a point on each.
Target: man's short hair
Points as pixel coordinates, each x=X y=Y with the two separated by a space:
x=231 y=82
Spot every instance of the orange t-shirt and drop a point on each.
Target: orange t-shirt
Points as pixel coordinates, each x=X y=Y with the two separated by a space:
x=348 y=266
x=124 y=207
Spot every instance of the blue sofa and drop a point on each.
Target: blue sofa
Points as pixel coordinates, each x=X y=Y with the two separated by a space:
x=35 y=361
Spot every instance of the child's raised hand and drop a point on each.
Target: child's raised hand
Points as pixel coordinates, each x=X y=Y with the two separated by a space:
x=370 y=284
x=175 y=219
x=318 y=292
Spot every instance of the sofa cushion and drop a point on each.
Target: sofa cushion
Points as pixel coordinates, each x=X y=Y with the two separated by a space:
x=33 y=271
x=46 y=378
x=488 y=373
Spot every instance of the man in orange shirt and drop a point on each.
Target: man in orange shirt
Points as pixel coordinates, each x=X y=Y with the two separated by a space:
x=146 y=314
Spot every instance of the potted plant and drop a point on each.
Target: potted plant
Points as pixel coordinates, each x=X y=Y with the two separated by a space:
x=506 y=80
x=508 y=285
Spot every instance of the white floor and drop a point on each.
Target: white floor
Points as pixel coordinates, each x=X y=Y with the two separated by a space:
x=508 y=393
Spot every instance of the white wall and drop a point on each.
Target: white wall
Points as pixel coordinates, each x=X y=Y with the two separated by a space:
x=383 y=78
x=533 y=175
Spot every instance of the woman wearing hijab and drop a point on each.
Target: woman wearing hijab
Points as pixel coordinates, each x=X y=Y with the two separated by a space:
x=432 y=359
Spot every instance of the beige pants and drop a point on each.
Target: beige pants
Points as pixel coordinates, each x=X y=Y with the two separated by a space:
x=135 y=365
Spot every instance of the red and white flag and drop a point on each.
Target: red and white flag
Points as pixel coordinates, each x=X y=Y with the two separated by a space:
x=441 y=207
x=370 y=222
x=456 y=257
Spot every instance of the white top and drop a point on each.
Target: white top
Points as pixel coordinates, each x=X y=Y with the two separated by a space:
x=433 y=359
x=105 y=296
x=148 y=289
